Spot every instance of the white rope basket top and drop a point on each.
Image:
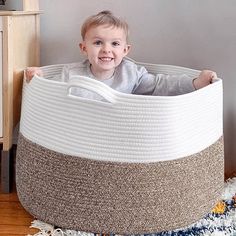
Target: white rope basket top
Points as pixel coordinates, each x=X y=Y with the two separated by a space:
x=122 y=127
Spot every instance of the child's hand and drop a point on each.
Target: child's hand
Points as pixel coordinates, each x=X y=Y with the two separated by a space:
x=205 y=78
x=31 y=71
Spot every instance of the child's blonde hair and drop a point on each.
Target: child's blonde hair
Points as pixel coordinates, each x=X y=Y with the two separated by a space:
x=104 y=18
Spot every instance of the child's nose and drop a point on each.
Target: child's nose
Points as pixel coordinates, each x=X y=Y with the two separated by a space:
x=106 y=48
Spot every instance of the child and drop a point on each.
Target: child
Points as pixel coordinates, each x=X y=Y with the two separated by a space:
x=105 y=44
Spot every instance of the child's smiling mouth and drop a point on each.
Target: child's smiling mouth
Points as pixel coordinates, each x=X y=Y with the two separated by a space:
x=106 y=59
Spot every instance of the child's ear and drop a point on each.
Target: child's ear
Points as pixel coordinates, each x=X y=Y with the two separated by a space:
x=83 y=48
x=127 y=49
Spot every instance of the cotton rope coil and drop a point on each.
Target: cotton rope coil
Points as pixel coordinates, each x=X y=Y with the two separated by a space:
x=125 y=164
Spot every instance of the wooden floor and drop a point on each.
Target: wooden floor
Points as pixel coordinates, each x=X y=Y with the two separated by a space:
x=14 y=220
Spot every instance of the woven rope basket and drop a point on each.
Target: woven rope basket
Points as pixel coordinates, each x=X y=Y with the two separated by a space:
x=125 y=164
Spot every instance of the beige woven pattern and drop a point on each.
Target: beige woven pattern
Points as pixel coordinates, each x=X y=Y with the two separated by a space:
x=118 y=197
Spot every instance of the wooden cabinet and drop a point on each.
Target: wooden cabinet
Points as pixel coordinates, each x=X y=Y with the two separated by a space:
x=1 y=102
x=19 y=48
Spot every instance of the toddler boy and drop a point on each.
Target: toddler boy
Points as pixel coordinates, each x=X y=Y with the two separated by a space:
x=105 y=44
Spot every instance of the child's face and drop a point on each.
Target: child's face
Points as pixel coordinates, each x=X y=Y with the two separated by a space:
x=105 y=48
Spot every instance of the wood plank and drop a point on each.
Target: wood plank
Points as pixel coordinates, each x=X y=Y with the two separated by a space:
x=10 y=230
x=32 y=233
x=19 y=51
x=14 y=219
x=11 y=197
x=26 y=53
x=12 y=208
x=1 y=110
x=7 y=83
x=15 y=13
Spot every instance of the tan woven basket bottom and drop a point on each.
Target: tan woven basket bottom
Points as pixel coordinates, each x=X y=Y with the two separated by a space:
x=122 y=198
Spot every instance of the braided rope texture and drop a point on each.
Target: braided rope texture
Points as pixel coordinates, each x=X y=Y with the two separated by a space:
x=121 y=127
x=126 y=164
x=118 y=197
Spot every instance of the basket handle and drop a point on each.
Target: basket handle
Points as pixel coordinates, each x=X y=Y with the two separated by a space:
x=92 y=85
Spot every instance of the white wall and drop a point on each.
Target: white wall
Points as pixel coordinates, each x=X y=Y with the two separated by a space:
x=197 y=34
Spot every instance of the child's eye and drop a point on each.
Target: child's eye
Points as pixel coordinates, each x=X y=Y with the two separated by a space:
x=115 y=44
x=98 y=42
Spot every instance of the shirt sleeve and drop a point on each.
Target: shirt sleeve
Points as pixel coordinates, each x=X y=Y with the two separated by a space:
x=163 y=85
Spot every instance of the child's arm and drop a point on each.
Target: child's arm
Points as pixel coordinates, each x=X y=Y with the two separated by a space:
x=205 y=78
x=31 y=71
x=170 y=85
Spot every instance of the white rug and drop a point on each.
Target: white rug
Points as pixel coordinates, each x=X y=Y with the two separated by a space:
x=220 y=222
